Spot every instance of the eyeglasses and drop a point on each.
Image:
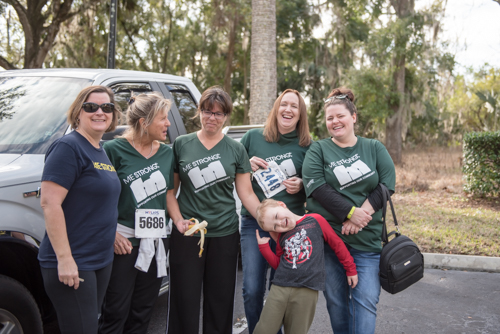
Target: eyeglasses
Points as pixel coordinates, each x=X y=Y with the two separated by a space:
x=338 y=97
x=217 y=115
x=93 y=107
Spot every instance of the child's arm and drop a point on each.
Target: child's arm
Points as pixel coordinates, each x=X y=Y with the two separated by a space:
x=265 y=249
x=352 y=280
x=338 y=247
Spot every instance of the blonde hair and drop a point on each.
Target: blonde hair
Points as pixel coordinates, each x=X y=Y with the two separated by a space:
x=76 y=107
x=271 y=133
x=146 y=106
x=262 y=209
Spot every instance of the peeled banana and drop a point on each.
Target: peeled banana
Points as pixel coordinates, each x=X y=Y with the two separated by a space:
x=197 y=226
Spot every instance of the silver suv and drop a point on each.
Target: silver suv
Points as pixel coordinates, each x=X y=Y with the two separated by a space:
x=33 y=105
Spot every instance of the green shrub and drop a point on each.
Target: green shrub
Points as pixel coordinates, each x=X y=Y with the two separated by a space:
x=482 y=163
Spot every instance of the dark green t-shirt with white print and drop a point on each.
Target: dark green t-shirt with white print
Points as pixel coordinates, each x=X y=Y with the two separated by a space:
x=354 y=172
x=207 y=181
x=144 y=181
x=289 y=156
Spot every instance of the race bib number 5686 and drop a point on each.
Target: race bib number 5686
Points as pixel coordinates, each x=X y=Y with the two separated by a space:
x=150 y=223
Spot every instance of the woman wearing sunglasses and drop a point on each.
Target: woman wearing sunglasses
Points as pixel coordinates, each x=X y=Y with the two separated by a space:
x=144 y=166
x=341 y=177
x=208 y=166
x=79 y=198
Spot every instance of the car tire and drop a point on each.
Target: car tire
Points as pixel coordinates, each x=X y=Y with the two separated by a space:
x=18 y=309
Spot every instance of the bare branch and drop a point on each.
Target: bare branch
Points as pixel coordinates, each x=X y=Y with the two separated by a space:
x=22 y=15
x=6 y=64
x=61 y=13
x=130 y=38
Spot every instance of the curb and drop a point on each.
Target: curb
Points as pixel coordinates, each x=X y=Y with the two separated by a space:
x=462 y=262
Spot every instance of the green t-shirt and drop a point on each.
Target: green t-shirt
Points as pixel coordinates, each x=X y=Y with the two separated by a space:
x=288 y=155
x=354 y=172
x=207 y=178
x=144 y=181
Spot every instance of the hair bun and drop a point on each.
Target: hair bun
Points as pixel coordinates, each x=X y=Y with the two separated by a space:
x=342 y=91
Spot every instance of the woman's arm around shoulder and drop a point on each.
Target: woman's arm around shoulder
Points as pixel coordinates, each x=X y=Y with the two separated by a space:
x=245 y=192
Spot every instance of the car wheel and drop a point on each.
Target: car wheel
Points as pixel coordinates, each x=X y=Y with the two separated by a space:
x=18 y=310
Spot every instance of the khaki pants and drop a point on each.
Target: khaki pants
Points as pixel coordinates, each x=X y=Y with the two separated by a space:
x=291 y=307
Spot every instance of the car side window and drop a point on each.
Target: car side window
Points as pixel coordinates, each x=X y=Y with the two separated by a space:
x=123 y=91
x=186 y=106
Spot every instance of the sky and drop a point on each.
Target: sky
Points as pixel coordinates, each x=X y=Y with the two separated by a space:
x=473 y=29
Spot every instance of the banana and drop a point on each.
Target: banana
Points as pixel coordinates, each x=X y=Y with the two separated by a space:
x=197 y=226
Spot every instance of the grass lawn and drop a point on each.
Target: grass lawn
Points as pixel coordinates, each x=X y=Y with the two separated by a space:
x=433 y=210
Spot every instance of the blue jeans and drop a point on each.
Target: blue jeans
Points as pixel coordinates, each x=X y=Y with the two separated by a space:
x=254 y=270
x=352 y=311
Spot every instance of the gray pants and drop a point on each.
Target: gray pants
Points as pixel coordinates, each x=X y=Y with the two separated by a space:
x=291 y=307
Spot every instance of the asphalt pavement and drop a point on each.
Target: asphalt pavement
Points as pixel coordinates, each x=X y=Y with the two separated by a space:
x=444 y=301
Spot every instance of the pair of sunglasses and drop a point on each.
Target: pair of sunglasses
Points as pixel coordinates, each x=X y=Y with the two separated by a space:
x=338 y=97
x=91 y=107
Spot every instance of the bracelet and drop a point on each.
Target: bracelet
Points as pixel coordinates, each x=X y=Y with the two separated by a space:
x=351 y=212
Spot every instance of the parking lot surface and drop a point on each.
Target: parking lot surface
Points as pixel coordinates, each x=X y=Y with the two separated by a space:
x=444 y=301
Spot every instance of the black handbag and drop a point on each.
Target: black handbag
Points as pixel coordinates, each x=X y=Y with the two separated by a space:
x=401 y=262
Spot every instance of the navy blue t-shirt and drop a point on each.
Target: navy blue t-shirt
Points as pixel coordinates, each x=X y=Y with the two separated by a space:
x=91 y=205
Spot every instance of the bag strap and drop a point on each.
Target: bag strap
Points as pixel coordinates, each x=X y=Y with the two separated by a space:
x=386 y=196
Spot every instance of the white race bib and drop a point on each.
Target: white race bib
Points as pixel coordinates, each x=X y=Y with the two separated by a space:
x=150 y=223
x=270 y=179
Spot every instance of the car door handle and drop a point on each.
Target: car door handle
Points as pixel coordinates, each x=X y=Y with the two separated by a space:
x=33 y=193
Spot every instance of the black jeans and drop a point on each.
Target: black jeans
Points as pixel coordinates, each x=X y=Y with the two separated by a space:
x=77 y=310
x=215 y=271
x=131 y=295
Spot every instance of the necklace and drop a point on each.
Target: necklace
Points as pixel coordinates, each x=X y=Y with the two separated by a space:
x=150 y=152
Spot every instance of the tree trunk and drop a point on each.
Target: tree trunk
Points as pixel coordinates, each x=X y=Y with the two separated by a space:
x=40 y=27
x=230 y=51
x=394 y=122
x=246 y=119
x=263 y=82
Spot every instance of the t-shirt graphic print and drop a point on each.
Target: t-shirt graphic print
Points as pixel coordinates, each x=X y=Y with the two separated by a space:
x=288 y=168
x=298 y=248
x=201 y=177
x=349 y=172
x=152 y=186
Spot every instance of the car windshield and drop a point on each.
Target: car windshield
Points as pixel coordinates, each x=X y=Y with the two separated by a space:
x=33 y=111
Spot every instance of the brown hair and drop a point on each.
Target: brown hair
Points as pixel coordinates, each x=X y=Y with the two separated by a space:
x=262 y=208
x=271 y=133
x=347 y=102
x=213 y=95
x=76 y=107
x=145 y=106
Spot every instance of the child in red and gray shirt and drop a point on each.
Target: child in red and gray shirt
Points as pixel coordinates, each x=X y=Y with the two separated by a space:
x=299 y=264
